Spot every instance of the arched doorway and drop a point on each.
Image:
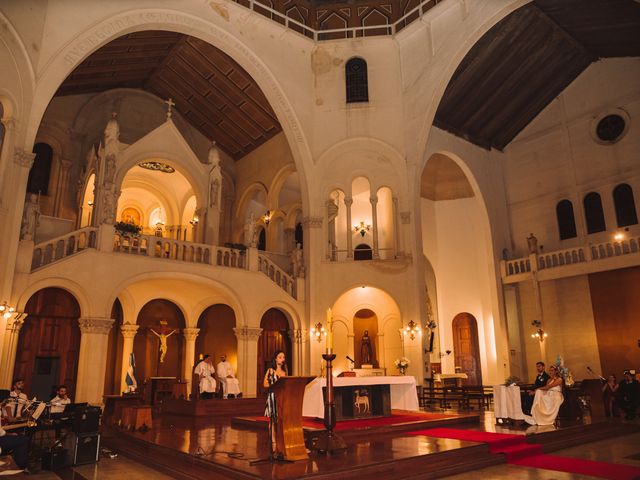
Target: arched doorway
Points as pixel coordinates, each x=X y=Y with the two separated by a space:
x=114 y=352
x=365 y=320
x=274 y=337
x=146 y=345
x=216 y=335
x=49 y=343
x=362 y=252
x=465 y=347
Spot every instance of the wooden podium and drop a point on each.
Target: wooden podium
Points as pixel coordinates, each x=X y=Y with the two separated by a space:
x=289 y=393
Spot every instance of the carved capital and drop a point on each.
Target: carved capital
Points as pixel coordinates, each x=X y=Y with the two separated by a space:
x=23 y=158
x=312 y=222
x=14 y=325
x=247 y=333
x=373 y=199
x=100 y=326
x=405 y=217
x=128 y=330
x=348 y=201
x=9 y=123
x=190 y=334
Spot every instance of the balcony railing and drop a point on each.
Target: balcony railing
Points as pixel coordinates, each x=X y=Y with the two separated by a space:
x=63 y=246
x=279 y=276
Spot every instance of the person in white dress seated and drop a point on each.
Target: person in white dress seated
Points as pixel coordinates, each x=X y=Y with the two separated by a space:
x=230 y=384
x=207 y=382
x=547 y=401
x=60 y=401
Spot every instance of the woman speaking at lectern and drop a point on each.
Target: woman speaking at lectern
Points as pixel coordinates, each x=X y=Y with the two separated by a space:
x=277 y=370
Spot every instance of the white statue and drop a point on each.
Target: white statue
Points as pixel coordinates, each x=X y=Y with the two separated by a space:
x=30 y=217
x=214 y=156
x=112 y=130
x=214 y=191
x=110 y=172
x=250 y=231
x=297 y=261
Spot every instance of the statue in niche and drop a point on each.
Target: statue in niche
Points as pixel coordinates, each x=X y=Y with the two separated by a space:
x=532 y=243
x=112 y=130
x=366 y=350
x=162 y=336
x=214 y=156
x=30 y=217
x=297 y=261
x=213 y=192
x=332 y=213
x=110 y=172
x=250 y=231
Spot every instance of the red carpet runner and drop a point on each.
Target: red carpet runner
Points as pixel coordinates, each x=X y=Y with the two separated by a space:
x=519 y=452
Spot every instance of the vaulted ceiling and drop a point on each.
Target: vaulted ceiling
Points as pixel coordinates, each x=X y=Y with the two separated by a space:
x=521 y=64
x=215 y=94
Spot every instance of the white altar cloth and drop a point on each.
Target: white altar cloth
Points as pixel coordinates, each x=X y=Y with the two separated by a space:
x=507 y=403
x=404 y=395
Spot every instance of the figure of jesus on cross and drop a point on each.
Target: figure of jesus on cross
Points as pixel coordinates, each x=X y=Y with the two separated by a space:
x=162 y=336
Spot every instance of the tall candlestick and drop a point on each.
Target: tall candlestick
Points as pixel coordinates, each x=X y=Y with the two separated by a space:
x=329 y=331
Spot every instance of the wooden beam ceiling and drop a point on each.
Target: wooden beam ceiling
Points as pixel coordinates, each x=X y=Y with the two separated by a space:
x=215 y=94
x=527 y=59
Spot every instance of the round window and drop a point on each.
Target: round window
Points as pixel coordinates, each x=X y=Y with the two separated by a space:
x=610 y=128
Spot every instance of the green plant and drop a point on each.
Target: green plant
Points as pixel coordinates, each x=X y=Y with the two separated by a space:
x=128 y=228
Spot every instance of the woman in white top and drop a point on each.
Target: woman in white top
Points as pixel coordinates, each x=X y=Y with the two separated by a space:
x=547 y=401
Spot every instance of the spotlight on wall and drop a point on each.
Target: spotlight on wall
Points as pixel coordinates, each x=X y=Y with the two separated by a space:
x=194 y=221
x=412 y=329
x=618 y=237
x=8 y=311
x=266 y=218
x=362 y=228
x=318 y=332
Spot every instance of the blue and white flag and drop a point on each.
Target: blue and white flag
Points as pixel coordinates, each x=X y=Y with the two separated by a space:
x=130 y=379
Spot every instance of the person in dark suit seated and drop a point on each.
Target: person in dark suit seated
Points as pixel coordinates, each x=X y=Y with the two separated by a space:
x=16 y=445
x=542 y=377
x=628 y=394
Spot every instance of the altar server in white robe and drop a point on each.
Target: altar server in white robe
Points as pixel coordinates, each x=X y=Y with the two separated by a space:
x=206 y=372
x=230 y=384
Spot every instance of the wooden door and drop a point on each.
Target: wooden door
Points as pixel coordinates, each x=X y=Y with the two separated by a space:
x=50 y=330
x=274 y=337
x=465 y=347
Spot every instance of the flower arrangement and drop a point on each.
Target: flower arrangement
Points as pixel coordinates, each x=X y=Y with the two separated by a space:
x=564 y=371
x=431 y=325
x=128 y=228
x=512 y=380
x=402 y=364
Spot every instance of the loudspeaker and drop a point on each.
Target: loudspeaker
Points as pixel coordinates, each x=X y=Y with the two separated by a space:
x=55 y=459
x=86 y=420
x=87 y=448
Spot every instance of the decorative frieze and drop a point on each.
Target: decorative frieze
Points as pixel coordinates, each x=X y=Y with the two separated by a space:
x=128 y=330
x=312 y=222
x=23 y=158
x=247 y=333
x=190 y=334
x=99 y=326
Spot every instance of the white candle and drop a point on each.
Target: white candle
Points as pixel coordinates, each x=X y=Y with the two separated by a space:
x=329 y=331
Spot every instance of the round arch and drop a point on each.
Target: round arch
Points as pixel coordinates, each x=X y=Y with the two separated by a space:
x=246 y=196
x=133 y=20
x=75 y=289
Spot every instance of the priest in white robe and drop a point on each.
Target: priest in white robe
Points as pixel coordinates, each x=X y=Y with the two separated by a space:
x=207 y=381
x=230 y=384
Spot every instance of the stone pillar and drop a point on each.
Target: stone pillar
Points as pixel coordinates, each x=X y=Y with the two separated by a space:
x=128 y=334
x=190 y=335
x=9 y=349
x=348 y=202
x=61 y=186
x=92 y=359
x=297 y=346
x=289 y=239
x=248 y=358
x=397 y=243
x=374 y=221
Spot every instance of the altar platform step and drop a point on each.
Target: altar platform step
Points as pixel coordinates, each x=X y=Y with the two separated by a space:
x=213 y=407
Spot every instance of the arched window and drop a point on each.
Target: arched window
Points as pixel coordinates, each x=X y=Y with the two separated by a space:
x=625 y=206
x=298 y=234
x=362 y=252
x=593 y=213
x=566 y=220
x=356 y=80
x=262 y=240
x=39 y=174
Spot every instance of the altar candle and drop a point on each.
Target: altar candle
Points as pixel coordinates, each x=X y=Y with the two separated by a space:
x=329 y=331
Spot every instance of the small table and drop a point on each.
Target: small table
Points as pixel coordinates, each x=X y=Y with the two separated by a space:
x=113 y=405
x=507 y=403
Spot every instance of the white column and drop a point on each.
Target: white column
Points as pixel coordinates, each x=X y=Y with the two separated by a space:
x=248 y=358
x=94 y=343
x=128 y=332
x=374 y=220
x=397 y=244
x=190 y=335
x=9 y=349
x=348 y=202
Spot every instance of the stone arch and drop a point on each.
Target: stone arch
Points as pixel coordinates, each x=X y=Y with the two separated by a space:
x=247 y=196
x=121 y=23
x=76 y=290
x=276 y=185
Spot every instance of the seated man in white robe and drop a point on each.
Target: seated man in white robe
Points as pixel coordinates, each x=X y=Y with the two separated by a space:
x=207 y=381
x=60 y=401
x=230 y=384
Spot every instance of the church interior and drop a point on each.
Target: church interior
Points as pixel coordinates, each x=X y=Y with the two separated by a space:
x=437 y=194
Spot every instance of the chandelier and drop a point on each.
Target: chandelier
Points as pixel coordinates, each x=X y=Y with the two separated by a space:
x=157 y=166
x=362 y=228
x=412 y=329
x=318 y=332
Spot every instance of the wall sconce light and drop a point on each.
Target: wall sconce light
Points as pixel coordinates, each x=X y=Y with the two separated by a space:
x=539 y=334
x=159 y=225
x=618 y=237
x=446 y=352
x=194 y=221
x=7 y=311
x=361 y=229
x=412 y=329
x=266 y=218
x=318 y=332
x=90 y=203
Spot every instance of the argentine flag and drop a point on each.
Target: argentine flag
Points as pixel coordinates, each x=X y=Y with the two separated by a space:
x=130 y=379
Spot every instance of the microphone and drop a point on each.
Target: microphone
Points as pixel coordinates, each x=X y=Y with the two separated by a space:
x=350 y=359
x=596 y=375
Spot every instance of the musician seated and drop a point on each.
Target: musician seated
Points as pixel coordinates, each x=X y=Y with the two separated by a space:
x=16 y=445
x=19 y=400
x=60 y=401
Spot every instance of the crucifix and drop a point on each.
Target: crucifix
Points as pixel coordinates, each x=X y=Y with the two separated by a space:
x=170 y=103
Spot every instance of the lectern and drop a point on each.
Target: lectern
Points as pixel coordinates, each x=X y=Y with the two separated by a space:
x=289 y=393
